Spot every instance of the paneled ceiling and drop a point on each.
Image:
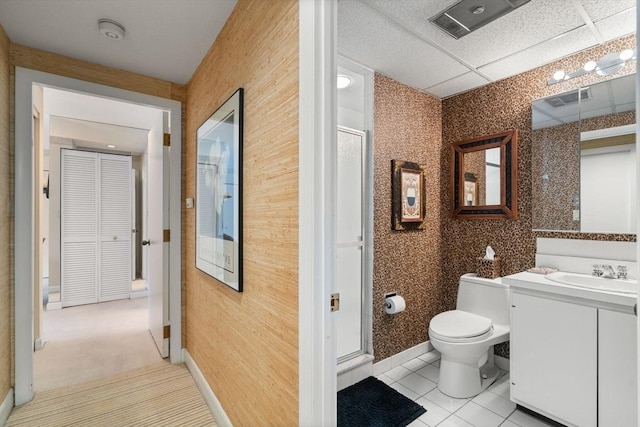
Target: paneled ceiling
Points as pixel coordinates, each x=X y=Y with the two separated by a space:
x=167 y=39
x=395 y=38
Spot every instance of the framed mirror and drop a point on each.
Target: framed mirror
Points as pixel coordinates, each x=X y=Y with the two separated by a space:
x=484 y=177
x=584 y=174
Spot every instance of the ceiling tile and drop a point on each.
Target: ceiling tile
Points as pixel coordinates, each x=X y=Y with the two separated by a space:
x=543 y=53
x=456 y=85
x=367 y=37
x=531 y=24
x=599 y=9
x=617 y=25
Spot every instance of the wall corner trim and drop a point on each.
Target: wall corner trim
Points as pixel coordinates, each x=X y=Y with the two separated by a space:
x=6 y=407
x=210 y=398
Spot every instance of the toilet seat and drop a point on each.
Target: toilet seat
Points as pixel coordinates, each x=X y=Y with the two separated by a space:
x=460 y=326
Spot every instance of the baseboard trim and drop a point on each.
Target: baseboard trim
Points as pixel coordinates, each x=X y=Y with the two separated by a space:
x=210 y=398
x=502 y=363
x=6 y=407
x=139 y=294
x=54 y=306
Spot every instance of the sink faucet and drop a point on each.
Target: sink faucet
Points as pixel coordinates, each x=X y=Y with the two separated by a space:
x=609 y=272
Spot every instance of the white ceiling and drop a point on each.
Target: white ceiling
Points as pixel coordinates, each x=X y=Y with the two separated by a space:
x=93 y=122
x=395 y=38
x=166 y=39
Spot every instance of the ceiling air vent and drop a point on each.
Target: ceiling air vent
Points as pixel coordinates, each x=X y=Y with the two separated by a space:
x=467 y=16
x=569 y=98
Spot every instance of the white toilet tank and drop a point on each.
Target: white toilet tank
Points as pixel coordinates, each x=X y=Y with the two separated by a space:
x=485 y=297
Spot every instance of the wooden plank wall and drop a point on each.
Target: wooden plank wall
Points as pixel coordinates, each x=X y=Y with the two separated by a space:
x=6 y=220
x=246 y=344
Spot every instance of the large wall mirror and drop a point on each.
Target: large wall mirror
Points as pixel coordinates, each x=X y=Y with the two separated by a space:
x=483 y=176
x=584 y=159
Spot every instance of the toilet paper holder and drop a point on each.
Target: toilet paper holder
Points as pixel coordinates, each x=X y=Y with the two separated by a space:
x=393 y=303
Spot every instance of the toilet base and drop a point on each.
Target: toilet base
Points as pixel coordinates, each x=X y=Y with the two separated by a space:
x=463 y=378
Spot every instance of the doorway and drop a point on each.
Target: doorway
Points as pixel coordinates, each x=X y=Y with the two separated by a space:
x=25 y=214
x=354 y=219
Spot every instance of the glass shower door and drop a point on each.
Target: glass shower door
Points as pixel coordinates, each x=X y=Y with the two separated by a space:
x=349 y=225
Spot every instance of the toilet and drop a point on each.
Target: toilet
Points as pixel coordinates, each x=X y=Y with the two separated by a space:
x=465 y=336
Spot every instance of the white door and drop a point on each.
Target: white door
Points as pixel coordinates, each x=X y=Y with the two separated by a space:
x=96 y=228
x=157 y=249
x=134 y=231
x=79 y=225
x=115 y=227
x=349 y=241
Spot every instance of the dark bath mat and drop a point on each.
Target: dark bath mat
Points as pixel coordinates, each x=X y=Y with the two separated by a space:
x=372 y=403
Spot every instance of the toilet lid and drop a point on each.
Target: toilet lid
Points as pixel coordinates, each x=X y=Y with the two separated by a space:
x=459 y=324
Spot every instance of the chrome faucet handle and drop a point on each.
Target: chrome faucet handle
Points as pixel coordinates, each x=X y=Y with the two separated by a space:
x=597 y=270
x=609 y=272
x=622 y=271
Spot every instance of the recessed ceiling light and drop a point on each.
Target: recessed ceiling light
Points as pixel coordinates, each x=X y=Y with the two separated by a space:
x=343 y=81
x=626 y=54
x=111 y=146
x=478 y=10
x=111 y=29
x=590 y=66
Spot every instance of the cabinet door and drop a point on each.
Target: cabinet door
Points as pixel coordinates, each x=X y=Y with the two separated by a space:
x=617 y=374
x=554 y=358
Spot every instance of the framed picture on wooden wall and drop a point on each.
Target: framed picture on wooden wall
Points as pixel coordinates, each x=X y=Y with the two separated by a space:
x=219 y=193
x=408 y=195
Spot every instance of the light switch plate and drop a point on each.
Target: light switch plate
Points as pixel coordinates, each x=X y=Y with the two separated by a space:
x=576 y=215
x=189 y=203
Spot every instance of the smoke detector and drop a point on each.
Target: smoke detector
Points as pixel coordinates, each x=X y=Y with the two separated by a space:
x=111 y=29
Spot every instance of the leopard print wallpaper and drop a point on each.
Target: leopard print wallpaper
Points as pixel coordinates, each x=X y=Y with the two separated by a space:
x=425 y=265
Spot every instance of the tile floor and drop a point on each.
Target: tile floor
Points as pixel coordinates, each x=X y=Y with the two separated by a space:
x=417 y=380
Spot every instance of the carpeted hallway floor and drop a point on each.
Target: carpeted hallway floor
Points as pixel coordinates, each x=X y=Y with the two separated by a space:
x=93 y=341
x=158 y=395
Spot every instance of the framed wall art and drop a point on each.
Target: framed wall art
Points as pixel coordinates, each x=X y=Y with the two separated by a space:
x=408 y=195
x=219 y=193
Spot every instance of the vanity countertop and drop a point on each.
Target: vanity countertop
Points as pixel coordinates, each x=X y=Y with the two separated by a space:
x=538 y=284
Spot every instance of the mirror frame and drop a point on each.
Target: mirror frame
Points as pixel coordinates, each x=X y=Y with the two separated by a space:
x=508 y=207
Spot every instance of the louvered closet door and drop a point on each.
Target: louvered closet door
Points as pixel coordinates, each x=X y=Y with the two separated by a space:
x=79 y=225
x=115 y=227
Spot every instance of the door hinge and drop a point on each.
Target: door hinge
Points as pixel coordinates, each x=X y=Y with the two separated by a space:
x=335 y=302
x=166 y=332
x=166 y=236
x=166 y=140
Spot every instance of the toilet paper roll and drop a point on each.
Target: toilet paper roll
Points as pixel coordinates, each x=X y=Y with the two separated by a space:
x=394 y=304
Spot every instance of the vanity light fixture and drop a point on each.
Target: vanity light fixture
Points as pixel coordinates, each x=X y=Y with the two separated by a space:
x=590 y=66
x=111 y=29
x=607 y=65
x=627 y=54
x=343 y=81
x=559 y=75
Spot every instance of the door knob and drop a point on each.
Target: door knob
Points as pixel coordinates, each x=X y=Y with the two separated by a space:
x=146 y=242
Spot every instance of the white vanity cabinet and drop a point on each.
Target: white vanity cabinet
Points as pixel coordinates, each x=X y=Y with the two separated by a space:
x=573 y=353
x=554 y=358
x=617 y=369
